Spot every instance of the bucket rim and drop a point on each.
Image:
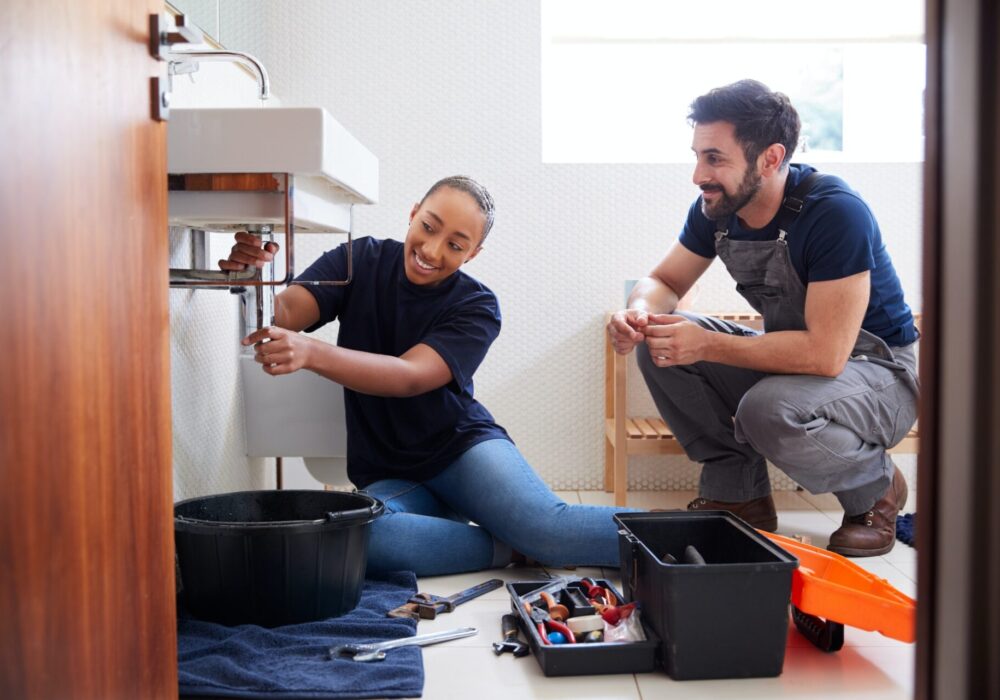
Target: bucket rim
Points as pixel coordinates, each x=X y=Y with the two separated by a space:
x=333 y=519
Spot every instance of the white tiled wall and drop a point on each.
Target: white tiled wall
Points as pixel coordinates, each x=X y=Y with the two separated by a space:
x=453 y=86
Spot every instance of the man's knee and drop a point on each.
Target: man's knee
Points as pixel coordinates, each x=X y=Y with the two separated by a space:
x=663 y=378
x=643 y=359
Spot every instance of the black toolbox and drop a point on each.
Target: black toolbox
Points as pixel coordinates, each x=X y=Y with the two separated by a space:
x=582 y=658
x=726 y=618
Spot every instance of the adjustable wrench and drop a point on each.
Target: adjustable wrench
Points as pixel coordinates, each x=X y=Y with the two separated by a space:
x=376 y=651
x=425 y=606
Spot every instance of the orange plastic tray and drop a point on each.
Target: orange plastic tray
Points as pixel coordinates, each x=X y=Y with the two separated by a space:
x=833 y=587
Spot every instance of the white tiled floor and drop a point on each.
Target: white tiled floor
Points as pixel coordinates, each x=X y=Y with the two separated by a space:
x=869 y=665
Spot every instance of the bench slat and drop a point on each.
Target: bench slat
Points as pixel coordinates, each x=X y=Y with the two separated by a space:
x=662 y=429
x=648 y=431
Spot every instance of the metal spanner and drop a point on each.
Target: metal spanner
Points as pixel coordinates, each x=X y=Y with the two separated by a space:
x=376 y=651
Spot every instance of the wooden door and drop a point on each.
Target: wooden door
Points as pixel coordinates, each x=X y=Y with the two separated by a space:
x=86 y=540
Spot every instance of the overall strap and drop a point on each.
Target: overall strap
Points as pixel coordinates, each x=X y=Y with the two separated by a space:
x=792 y=204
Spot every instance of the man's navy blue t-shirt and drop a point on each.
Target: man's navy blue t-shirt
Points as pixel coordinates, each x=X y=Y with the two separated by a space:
x=834 y=236
x=382 y=312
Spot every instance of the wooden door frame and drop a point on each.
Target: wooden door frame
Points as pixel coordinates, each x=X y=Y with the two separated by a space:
x=958 y=533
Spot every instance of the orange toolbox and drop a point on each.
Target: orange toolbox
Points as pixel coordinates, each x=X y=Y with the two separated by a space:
x=830 y=591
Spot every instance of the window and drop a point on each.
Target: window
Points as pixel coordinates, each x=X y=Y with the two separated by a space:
x=618 y=77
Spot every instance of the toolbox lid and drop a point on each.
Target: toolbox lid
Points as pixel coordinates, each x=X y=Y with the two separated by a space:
x=833 y=587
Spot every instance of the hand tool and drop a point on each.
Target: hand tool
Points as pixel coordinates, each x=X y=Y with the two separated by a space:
x=376 y=651
x=557 y=611
x=599 y=593
x=508 y=623
x=542 y=622
x=613 y=614
x=692 y=555
x=426 y=606
x=539 y=624
x=557 y=637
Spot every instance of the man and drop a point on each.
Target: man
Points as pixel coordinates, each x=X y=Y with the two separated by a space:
x=831 y=383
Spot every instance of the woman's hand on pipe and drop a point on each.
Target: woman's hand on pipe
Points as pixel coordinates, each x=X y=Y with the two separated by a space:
x=279 y=350
x=248 y=251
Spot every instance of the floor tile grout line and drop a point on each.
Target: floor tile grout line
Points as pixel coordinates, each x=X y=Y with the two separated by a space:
x=638 y=689
x=899 y=569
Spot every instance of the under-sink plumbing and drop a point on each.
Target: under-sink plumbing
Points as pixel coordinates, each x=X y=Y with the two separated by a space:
x=257 y=302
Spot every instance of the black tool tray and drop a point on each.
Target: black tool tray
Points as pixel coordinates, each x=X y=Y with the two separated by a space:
x=580 y=659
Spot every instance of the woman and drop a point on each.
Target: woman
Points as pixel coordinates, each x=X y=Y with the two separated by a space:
x=413 y=330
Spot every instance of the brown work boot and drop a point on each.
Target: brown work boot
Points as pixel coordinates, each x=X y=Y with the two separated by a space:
x=874 y=532
x=758 y=512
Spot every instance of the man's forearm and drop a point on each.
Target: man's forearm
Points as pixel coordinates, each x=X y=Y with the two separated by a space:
x=653 y=296
x=780 y=352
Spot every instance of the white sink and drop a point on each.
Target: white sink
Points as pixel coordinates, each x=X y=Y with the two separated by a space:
x=331 y=168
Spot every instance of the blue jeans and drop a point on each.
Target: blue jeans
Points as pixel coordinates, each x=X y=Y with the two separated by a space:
x=427 y=527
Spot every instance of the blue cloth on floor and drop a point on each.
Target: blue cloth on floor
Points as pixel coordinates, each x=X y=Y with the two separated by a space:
x=906 y=529
x=293 y=661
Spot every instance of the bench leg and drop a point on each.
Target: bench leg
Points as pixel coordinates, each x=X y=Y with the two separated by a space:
x=609 y=466
x=620 y=469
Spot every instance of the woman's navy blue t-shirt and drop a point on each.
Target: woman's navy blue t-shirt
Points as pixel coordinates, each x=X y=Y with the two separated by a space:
x=834 y=236
x=382 y=312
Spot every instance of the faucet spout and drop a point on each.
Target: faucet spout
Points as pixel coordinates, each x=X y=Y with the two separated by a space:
x=187 y=62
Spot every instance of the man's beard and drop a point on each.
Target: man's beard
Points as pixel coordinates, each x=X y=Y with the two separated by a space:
x=727 y=204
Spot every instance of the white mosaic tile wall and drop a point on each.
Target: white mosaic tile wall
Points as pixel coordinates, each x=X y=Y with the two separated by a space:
x=453 y=86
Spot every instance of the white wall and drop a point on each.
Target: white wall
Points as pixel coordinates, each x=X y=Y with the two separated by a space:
x=450 y=87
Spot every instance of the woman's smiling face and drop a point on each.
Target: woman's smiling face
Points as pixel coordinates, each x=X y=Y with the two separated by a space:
x=446 y=231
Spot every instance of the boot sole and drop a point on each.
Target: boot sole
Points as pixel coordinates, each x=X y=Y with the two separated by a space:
x=851 y=552
x=767 y=525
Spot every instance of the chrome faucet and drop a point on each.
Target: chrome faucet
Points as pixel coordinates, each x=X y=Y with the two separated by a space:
x=181 y=62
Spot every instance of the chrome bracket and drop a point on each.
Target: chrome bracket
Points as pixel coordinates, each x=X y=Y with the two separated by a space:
x=164 y=34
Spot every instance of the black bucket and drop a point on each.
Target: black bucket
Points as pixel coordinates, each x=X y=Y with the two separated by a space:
x=273 y=557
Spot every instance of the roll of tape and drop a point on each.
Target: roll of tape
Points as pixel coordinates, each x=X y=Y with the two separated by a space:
x=585 y=623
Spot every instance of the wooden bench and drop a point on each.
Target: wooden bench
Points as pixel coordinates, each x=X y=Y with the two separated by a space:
x=626 y=435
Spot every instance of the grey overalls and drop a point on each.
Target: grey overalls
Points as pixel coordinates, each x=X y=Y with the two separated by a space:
x=827 y=434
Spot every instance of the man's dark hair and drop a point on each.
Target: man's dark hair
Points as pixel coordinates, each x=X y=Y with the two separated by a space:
x=474 y=190
x=760 y=116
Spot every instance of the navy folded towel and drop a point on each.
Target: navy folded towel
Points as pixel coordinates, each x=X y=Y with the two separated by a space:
x=293 y=661
x=906 y=529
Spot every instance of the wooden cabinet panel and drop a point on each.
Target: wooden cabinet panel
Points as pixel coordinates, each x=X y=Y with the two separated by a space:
x=86 y=538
